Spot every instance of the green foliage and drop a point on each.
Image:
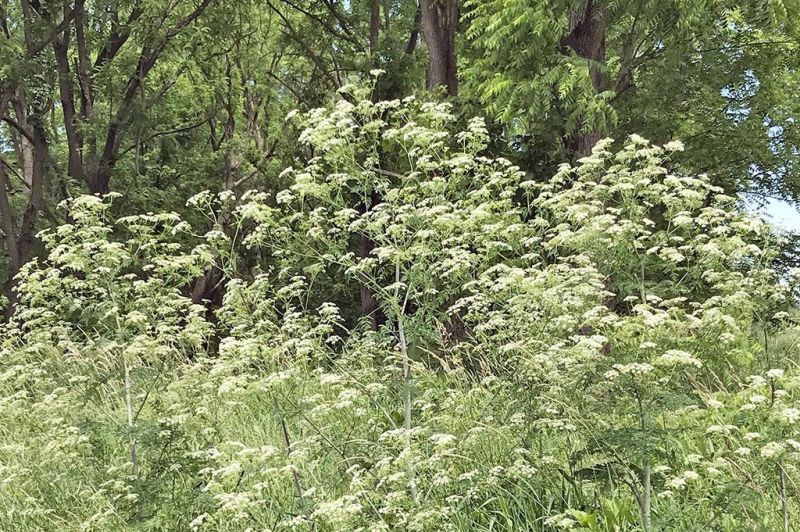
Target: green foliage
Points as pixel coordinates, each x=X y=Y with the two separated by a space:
x=510 y=38
x=718 y=75
x=575 y=335
x=610 y=373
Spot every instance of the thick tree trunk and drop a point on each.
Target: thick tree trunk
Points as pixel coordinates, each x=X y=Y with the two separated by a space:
x=27 y=229
x=439 y=25
x=587 y=38
x=580 y=143
x=33 y=154
x=20 y=246
x=67 y=97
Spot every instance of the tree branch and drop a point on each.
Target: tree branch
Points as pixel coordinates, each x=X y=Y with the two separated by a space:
x=181 y=129
x=347 y=36
x=118 y=37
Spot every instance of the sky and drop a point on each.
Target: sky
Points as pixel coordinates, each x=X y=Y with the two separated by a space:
x=780 y=213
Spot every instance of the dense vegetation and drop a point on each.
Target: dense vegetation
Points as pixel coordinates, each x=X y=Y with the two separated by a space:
x=379 y=265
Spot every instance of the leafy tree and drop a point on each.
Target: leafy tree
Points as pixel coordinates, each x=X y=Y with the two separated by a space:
x=713 y=74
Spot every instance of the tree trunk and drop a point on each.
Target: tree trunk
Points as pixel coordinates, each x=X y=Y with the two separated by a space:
x=229 y=131
x=439 y=25
x=67 y=97
x=100 y=180
x=587 y=38
x=7 y=219
x=22 y=144
x=253 y=105
x=580 y=143
x=20 y=247
x=83 y=62
x=413 y=36
x=374 y=25
x=9 y=233
x=27 y=229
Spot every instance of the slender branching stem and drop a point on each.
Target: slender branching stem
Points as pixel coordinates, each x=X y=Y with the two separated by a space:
x=131 y=422
x=407 y=398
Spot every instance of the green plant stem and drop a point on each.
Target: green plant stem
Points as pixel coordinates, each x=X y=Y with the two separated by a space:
x=784 y=501
x=131 y=435
x=406 y=384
